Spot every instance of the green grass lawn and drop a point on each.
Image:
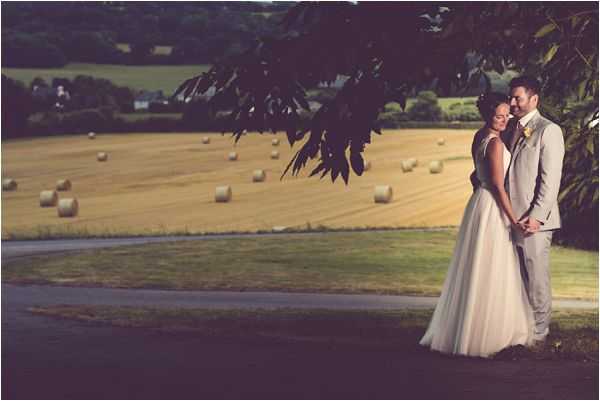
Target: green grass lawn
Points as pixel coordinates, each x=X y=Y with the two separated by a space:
x=148 y=77
x=443 y=102
x=151 y=77
x=394 y=262
x=573 y=334
x=142 y=116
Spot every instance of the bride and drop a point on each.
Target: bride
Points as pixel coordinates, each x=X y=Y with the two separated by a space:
x=484 y=307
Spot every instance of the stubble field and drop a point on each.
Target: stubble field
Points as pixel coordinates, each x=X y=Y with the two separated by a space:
x=165 y=183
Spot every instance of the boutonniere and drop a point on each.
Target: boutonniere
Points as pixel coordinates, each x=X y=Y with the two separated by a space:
x=527 y=132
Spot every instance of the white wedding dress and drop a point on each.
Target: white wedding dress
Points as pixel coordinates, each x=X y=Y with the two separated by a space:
x=483 y=307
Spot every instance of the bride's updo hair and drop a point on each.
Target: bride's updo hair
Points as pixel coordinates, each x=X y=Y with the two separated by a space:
x=488 y=102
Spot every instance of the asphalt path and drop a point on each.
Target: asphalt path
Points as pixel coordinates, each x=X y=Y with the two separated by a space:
x=48 y=358
x=50 y=295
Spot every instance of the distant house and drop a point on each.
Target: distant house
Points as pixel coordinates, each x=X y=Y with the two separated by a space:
x=43 y=92
x=145 y=98
x=57 y=97
x=206 y=95
x=63 y=97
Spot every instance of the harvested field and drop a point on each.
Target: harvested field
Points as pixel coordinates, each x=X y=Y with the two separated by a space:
x=165 y=183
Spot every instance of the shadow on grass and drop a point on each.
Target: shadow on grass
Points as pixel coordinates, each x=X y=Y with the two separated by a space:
x=574 y=334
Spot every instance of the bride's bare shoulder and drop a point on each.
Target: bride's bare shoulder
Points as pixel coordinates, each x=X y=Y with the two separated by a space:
x=494 y=145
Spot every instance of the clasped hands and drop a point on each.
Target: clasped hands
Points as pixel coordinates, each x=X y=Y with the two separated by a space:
x=528 y=225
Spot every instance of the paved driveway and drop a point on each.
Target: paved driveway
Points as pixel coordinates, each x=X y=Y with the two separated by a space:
x=46 y=358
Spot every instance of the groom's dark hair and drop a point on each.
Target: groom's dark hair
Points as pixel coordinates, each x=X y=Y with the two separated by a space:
x=531 y=84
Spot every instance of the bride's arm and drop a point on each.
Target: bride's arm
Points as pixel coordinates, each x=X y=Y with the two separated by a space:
x=495 y=157
x=473 y=177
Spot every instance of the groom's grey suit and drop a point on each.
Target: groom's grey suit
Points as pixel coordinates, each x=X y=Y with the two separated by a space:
x=533 y=182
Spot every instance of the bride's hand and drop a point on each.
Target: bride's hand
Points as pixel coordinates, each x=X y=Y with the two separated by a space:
x=518 y=225
x=523 y=227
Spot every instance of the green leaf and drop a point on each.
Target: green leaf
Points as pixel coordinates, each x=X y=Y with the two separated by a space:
x=550 y=54
x=566 y=191
x=590 y=145
x=545 y=30
x=345 y=170
x=334 y=173
x=318 y=169
x=357 y=163
x=582 y=194
x=582 y=89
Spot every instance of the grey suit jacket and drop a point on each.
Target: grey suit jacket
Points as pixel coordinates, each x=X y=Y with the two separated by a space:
x=535 y=170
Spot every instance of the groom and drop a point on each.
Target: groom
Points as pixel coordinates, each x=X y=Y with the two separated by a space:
x=533 y=182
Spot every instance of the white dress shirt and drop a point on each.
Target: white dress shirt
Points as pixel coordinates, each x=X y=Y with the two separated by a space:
x=527 y=117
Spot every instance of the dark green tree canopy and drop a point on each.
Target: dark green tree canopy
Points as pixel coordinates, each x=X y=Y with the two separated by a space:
x=391 y=51
x=49 y=34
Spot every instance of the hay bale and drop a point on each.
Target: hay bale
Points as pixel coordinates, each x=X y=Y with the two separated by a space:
x=441 y=141
x=223 y=194
x=367 y=165
x=279 y=229
x=275 y=155
x=48 y=198
x=102 y=156
x=233 y=156
x=259 y=176
x=205 y=140
x=8 y=184
x=92 y=135
x=68 y=207
x=406 y=166
x=275 y=142
x=383 y=194
x=63 y=185
x=436 y=167
x=414 y=162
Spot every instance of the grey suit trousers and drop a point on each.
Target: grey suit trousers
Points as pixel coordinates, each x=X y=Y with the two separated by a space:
x=534 y=257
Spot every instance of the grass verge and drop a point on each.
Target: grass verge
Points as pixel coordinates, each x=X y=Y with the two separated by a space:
x=380 y=262
x=52 y=232
x=573 y=335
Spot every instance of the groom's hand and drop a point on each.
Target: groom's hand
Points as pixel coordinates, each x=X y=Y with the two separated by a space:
x=530 y=225
x=521 y=226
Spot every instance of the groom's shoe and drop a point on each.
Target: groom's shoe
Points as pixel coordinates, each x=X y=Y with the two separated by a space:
x=539 y=341
x=537 y=337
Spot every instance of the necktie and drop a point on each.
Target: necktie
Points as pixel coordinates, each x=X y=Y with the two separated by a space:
x=517 y=135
